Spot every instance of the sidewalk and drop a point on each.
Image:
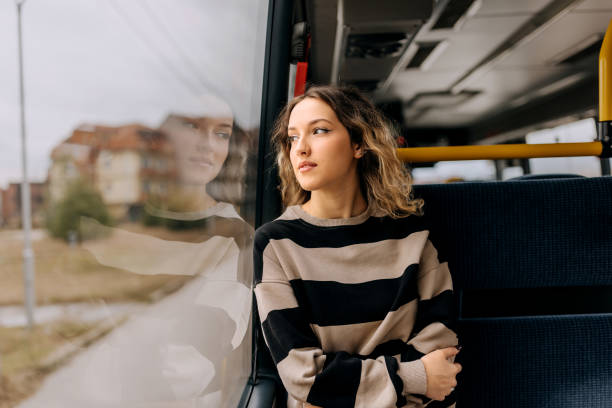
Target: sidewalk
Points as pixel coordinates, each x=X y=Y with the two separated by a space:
x=175 y=353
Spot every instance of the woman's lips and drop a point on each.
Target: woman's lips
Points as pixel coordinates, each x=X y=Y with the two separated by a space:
x=201 y=162
x=307 y=167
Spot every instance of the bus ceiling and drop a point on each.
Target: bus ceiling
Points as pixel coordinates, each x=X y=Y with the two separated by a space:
x=492 y=68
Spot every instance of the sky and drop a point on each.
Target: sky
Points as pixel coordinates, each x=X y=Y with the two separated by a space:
x=114 y=62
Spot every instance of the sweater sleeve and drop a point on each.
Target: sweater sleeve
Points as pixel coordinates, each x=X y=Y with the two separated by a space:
x=435 y=325
x=332 y=379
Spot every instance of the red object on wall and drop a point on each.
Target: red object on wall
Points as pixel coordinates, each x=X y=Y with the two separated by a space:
x=300 y=78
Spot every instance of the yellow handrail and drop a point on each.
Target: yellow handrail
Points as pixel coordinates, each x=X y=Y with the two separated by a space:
x=605 y=77
x=493 y=152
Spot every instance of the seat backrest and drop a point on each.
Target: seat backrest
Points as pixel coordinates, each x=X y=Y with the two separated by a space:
x=546 y=176
x=531 y=262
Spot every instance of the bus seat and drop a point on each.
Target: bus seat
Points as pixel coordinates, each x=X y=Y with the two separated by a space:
x=531 y=262
x=545 y=176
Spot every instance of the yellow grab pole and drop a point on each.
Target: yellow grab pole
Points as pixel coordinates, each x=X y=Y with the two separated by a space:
x=493 y=152
x=605 y=77
x=604 y=127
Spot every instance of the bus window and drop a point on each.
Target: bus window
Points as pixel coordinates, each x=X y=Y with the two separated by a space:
x=142 y=123
x=575 y=132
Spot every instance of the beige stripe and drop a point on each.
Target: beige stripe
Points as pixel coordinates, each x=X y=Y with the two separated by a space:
x=429 y=257
x=435 y=282
x=288 y=214
x=375 y=387
x=351 y=264
x=362 y=338
x=329 y=222
x=272 y=271
x=433 y=337
x=298 y=370
x=274 y=296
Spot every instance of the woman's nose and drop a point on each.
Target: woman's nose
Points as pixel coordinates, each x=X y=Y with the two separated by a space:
x=302 y=148
x=203 y=141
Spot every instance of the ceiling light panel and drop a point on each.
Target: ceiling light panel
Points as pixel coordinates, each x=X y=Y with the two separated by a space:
x=555 y=39
x=454 y=12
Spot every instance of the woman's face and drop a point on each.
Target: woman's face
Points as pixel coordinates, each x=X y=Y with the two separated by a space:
x=322 y=155
x=201 y=145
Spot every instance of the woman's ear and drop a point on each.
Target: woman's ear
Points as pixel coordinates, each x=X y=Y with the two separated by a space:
x=357 y=151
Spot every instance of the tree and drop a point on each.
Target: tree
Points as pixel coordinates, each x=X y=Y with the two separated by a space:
x=80 y=199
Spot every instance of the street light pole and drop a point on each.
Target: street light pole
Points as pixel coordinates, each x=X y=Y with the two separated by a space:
x=26 y=221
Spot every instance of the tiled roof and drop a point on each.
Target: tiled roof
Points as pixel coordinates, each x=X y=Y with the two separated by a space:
x=128 y=137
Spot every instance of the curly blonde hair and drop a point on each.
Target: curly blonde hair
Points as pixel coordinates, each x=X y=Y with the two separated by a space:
x=384 y=181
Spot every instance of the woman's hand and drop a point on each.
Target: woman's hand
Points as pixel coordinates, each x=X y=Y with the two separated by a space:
x=441 y=372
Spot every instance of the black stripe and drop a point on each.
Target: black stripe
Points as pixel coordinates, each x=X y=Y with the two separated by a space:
x=392 y=367
x=410 y=353
x=257 y=266
x=392 y=348
x=287 y=329
x=440 y=308
x=207 y=227
x=306 y=235
x=259 y=244
x=332 y=303
x=389 y=348
x=336 y=385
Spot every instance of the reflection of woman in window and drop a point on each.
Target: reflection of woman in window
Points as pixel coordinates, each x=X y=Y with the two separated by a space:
x=211 y=153
x=196 y=344
x=354 y=303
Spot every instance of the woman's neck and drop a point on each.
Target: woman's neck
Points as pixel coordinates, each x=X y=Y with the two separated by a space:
x=196 y=197
x=337 y=204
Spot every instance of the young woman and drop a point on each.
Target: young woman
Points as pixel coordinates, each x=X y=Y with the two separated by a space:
x=354 y=304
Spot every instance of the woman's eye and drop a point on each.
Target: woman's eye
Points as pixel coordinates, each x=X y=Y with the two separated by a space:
x=316 y=130
x=190 y=125
x=292 y=139
x=223 y=135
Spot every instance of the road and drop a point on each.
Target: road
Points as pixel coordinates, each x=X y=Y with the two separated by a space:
x=190 y=349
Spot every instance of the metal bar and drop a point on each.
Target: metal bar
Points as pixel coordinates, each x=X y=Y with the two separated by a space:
x=26 y=221
x=604 y=126
x=605 y=167
x=605 y=77
x=494 y=152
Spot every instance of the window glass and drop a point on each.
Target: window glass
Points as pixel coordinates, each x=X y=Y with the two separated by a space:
x=142 y=120
x=575 y=132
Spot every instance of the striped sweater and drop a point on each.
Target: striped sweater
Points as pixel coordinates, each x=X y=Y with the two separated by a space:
x=348 y=306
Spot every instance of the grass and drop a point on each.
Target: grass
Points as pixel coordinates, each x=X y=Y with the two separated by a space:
x=23 y=352
x=71 y=274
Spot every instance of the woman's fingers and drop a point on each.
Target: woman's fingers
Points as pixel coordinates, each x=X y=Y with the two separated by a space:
x=441 y=372
x=449 y=351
